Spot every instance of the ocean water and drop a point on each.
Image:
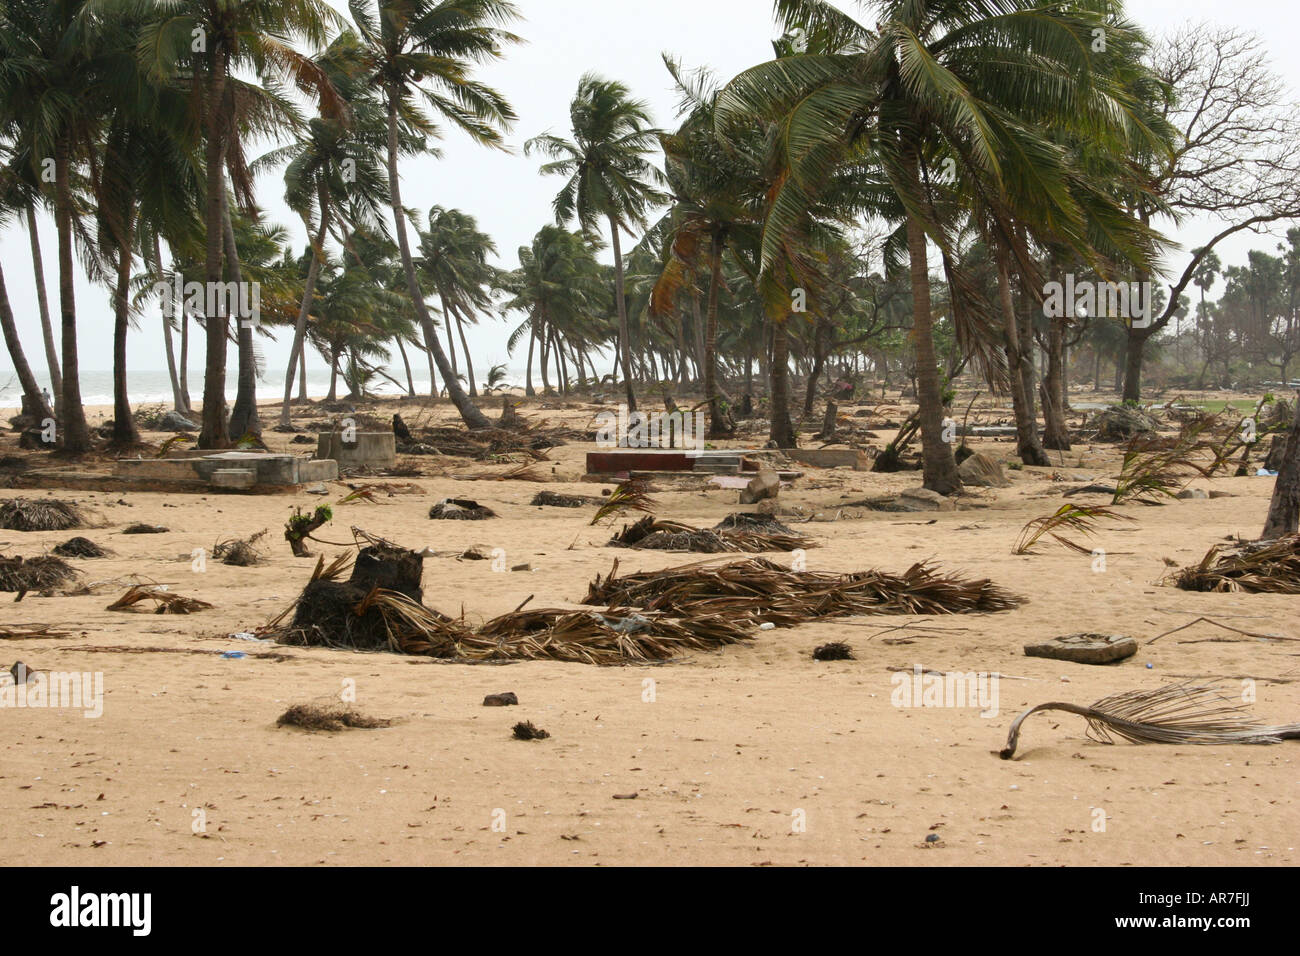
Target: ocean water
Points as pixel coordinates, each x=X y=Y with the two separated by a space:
x=153 y=386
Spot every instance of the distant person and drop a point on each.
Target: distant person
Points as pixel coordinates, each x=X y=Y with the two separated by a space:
x=49 y=399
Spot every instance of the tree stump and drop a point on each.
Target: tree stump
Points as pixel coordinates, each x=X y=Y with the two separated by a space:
x=1284 y=509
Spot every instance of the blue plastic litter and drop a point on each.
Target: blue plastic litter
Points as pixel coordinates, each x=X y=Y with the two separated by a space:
x=231 y=655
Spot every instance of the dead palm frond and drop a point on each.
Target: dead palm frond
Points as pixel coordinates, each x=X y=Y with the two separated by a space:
x=167 y=602
x=40 y=514
x=1181 y=713
x=1154 y=468
x=1259 y=567
x=44 y=572
x=1075 y=518
x=650 y=533
x=629 y=496
x=240 y=552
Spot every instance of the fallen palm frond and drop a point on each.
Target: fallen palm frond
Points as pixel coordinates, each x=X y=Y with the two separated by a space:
x=331 y=613
x=44 y=572
x=1259 y=567
x=141 y=527
x=240 y=552
x=22 y=632
x=527 y=730
x=1073 y=518
x=40 y=514
x=554 y=499
x=629 y=496
x=760 y=591
x=361 y=494
x=834 y=651
x=1154 y=468
x=650 y=533
x=460 y=509
x=79 y=547
x=170 y=443
x=330 y=717
x=524 y=472
x=1182 y=713
x=166 y=601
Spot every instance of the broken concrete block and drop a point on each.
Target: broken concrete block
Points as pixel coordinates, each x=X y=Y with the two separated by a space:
x=1085 y=648
x=922 y=499
x=766 y=484
x=983 y=472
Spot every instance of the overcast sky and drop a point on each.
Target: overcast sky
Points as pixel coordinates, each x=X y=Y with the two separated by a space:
x=566 y=38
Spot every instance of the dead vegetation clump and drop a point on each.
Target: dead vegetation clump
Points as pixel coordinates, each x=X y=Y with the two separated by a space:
x=80 y=547
x=553 y=499
x=42 y=573
x=762 y=591
x=1271 y=567
x=166 y=602
x=40 y=514
x=141 y=527
x=460 y=509
x=329 y=717
x=527 y=730
x=240 y=552
x=651 y=533
x=834 y=651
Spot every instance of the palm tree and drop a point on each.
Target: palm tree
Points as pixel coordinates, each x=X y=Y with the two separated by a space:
x=970 y=81
x=610 y=178
x=435 y=43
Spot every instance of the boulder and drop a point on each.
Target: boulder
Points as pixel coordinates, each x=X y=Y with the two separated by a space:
x=922 y=499
x=766 y=484
x=1085 y=648
x=1120 y=423
x=174 y=421
x=982 y=471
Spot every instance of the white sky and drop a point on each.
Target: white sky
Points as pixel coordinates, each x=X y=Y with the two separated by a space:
x=619 y=39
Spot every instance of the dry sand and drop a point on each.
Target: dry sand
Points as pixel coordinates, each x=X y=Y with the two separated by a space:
x=734 y=750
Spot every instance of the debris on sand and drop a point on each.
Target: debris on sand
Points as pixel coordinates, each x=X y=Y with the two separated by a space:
x=240 y=552
x=553 y=499
x=519 y=473
x=508 y=699
x=379 y=608
x=758 y=590
x=650 y=533
x=43 y=573
x=1182 y=713
x=629 y=496
x=300 y=526
x=80 y=547
x=460 y=509
x=40 y=514
x=330 y=717
x=141 y=528
x=1085 y=648
x=526 y=730
x=834 y=651
x=26 y=632
x=1271 y=567
x=167 y=602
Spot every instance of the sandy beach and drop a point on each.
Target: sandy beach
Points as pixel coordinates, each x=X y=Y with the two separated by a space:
x=753 y=755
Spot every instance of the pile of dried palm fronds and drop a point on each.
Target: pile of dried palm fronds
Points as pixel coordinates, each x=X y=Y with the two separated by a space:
x=1182 y=713
x=518 y=473
x=553 y=499
x=41 y=573
x=167 y=602
x=1155 y=468
x=653 y=534
x=329 y=716
x=240 y=552
x=330 y=613
x=460 y=509
x=1067 y=518
x=758 y=590
x=80 y=547
x=1262 y=566
x=40 y=514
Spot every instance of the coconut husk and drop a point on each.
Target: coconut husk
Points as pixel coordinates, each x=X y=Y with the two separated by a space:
x=40 y=514
x=1259 y=567
x=460 y=509
x=761 y=591
x=166 y=602
x=43 y=573
x=80 y=548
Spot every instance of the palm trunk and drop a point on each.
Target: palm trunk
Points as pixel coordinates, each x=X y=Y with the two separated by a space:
x=43 y=303
x=33 y=400
x=446 y=324
x=410 y=381
x=243 y=418
x=782 y=430
x=184 y=370
x=214 y=433
x=75 y=432
x=717 y=422
x=624 y=333
x=469 y=412
x=469 y=362
x=528 y=370
x=940 y=468
x=124 y=430
x=332 y=395
x=304 y=310
x=302 y=374
x=1056 y=434
x=1027 y=445
x=178 y=402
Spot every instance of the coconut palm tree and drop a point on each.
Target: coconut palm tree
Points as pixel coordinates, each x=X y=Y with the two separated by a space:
x=610 y=178
x=426 y=50
x=967 y=81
